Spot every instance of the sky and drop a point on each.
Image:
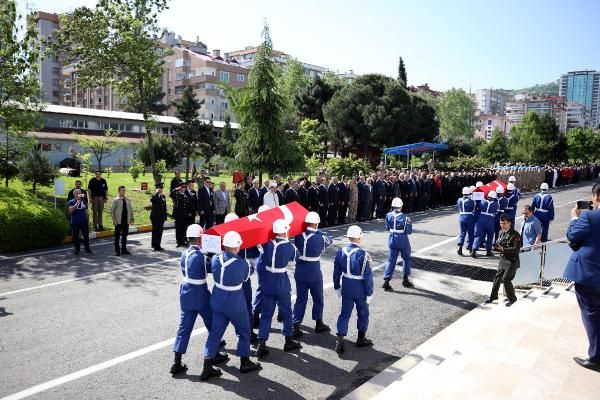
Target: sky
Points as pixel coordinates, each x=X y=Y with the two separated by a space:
x=466 y=44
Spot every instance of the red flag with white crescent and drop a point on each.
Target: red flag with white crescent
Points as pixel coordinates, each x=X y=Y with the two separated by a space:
x=491 y=186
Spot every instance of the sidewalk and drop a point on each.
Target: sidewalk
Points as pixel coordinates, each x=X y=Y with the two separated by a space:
x=495 y=352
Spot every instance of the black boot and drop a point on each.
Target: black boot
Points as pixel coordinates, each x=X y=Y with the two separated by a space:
x=279 y=318
x=339 y=344
x=321 y=327
x=208 y=371
x=222 y=343
x=246 y=365
x=262 y=350
x=177 y=366
x=474 y=253
x=362 y=341
x=489 y=254
x=297 y=332
x=220 y=358
x=460 y=251
x=406 y=283
x=256 y=320
x=386 y=286
x=290 y=344
x=253 y=339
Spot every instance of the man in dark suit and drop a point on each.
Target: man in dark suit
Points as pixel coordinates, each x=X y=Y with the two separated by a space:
x=254 y=197
x=584 y=269
x=312 y=196
x=206 y=201
x=334 y=201
x=291 y=194
x=344 y=199
x=192 y=196
x=323 y=201
x=379 y=195
x=302 y=193
x=360 y=214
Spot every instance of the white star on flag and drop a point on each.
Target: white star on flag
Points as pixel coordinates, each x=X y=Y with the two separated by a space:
x=252 y=217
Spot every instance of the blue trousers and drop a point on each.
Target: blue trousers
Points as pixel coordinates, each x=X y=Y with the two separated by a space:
x=589 y=304
x=257 y=302
x=466 y=227
x=239 y=319
x=247 y=287
x=545 y=228
x=362 y=312
x=484 y=233
x=269 y=301
x=316 y=292
x=186 y=326
x=390 y=266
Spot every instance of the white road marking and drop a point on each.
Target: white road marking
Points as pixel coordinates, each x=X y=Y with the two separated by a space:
x=433 y=246
x=86 y=277
x=115 y=361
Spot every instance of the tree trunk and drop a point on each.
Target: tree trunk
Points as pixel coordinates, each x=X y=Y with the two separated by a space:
x=148 y=124
x=34 y=185
x=260 y=178
x=187 y=167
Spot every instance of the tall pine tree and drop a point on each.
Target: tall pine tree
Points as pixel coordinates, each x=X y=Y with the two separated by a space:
x=402 y=72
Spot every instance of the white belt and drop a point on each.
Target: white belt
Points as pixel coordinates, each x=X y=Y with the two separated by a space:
x=276 y=270
x=508 y=208
x=466 y=213
x=194 y=281
x=350 y=276
x=305 y=258
x=228 y=288
x=396 y=230
x=540 y=209
x=491 y=215
x=500 y=211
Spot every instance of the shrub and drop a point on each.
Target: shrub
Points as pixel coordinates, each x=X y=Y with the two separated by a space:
x=348 y=166
x=27 y=222
x=135 y=168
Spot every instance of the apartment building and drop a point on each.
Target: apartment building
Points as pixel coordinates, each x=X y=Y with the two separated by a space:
x=204 y=73
x=555 y=105
x=50 y=69
x=247 y=56
x=486 y=123
x=492 y=101
x=583 y=87
x=578 y=116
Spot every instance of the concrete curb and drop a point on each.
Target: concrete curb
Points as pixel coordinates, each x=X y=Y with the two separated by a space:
x=132 y=230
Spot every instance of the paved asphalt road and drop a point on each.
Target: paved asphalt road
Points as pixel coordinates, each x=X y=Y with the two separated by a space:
x=101 y=327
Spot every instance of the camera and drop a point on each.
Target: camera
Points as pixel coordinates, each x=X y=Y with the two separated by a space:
x=585 y=205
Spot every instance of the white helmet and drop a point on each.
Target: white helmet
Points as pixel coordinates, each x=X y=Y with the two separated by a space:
x=312 y=218
x=232 y=239
x=466 y=190
x=493 y=195
x=510 y=186
x=264 y=207
x=512 y=179
x=354 y=231
x=397 y=202
x=231 y=217
x=544 y=186
x=472 y=188
x=194 y=231
x=281 y=226
x=273 y=185
x=500 y=190
x=479 y=184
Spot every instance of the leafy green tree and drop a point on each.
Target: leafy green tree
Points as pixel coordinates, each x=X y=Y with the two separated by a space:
x=259 y=106
x=456 y=112
x=154 y=104
x=193 y=137
x=164 y=149
x=312 y=164
x=228 y=139
x=37 y=170
x=135 y=168
x=101 y=148
x=402 y=72
x=19 y=88
x=582 y=144
x=348 y=166
x=497 y=149
x=529 y=142
x=291 y=84
x=310 y=102
x=311 y=137
x=115 y=44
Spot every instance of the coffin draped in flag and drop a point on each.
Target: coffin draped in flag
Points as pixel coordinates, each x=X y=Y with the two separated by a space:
x=257 y=229
x=491 y=186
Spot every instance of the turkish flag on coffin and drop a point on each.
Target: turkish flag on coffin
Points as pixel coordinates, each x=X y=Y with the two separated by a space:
x=491 y=186
x=257 y=229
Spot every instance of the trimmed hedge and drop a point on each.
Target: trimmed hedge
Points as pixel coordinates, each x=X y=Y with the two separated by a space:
x=27 y=222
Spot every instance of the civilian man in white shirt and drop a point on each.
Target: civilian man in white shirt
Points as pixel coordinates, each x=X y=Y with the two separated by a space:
x=271 y=199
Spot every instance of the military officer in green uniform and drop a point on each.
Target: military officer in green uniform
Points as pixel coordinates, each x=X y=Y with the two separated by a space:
x=509 y=246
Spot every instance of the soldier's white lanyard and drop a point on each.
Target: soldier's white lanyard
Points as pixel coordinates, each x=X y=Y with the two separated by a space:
x=186 y=277
x=272 y=267
x=348 y=273
x=224 y=265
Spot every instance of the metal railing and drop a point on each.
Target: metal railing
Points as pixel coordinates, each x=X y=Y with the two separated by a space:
x=543 y=262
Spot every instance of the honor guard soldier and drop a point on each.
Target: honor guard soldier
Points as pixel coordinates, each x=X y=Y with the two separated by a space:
x=467 y=217
x=194 y=297
x=276 y=288
x=311 y=243
x=158 y=216
x=229 y=305
x=353 y=282
x=516 y=191
x=257 y=301
x=248 y=254
x=399 y=227
x=513 y=199
x=484 y=228
x=543 y=209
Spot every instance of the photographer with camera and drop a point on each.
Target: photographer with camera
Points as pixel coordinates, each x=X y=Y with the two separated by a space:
x=79 y=220
x=584 y=269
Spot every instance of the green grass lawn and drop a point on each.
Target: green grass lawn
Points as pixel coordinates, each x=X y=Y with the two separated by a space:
x=140 y=199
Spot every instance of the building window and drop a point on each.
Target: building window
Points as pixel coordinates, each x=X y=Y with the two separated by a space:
x=179 y=62
x=56 y=70
x=241 y=78
x=223 y=105
x=224 y=76
x=55 y=82
x=489 y=122
x=49 y=147
x=180 y=76
x=212 y=116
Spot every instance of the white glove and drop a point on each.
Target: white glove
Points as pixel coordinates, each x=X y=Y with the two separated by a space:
x=339 y=292
x=369 y=299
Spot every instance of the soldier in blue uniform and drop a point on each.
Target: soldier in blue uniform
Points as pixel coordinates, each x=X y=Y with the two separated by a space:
x=194 y=296
x=257 y=301
x=399 y=227
x=467 y=217
x=516 y=191
x=353 y=282
x=276 y=288
x=543 y=209
x=484 y=228
x=229 y=305
x=513 y=199
x=310 y=244
x=502 y=203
